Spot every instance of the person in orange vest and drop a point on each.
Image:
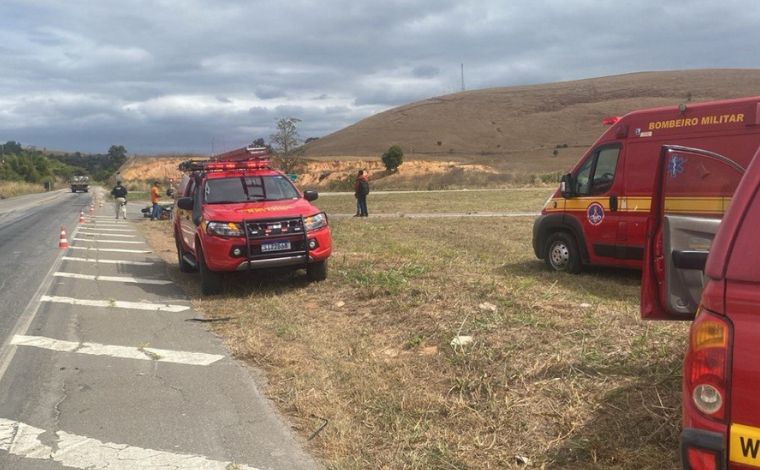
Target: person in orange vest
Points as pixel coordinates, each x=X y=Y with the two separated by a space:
x=156 y=212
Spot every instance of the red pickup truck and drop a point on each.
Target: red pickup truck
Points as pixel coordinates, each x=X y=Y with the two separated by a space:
x=699 y=267
x=235 y=213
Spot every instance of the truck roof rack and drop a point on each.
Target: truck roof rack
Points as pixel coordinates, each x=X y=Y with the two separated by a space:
x=240 y=159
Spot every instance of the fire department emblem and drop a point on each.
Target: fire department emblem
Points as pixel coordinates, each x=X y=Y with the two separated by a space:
x=595 y=213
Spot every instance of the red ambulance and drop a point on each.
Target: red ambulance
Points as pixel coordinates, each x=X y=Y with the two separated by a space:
x=598 y=215
x=699 y=267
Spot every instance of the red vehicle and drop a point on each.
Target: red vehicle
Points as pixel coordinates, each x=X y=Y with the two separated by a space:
x=235 y=213
x=697 y=267
x=598 y=215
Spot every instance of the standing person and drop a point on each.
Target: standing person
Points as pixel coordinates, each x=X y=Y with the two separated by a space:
x=119 y=193
x=361 y=189
x=156 y=211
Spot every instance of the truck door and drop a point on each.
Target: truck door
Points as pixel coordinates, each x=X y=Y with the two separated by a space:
x=597 y=184
x=692 y=190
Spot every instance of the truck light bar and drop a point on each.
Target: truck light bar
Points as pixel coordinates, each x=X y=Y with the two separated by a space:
x=609 y=121
x=245 y=158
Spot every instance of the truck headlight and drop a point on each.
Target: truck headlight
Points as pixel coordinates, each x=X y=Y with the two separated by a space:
x=224 y=229
x=315 y=221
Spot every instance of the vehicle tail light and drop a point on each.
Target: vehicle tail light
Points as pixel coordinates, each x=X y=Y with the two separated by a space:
x=706 y=363
x=701 y=459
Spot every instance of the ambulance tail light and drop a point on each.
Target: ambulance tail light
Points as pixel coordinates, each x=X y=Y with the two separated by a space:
x=610 y=120
x=706 y=364
x=702 y=459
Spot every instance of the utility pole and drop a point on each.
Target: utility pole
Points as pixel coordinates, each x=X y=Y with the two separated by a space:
x=462 y=76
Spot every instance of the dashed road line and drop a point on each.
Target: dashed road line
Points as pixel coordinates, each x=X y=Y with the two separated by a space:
x=83 y=452
x=122 y=352
x=98 y=227
x=126 y=279
x=107 y=241
x=115 y=304
x=103 y=234
x=111 y=250
x=108 y=261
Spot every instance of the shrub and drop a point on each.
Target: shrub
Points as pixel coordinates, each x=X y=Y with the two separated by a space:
x=393 y=158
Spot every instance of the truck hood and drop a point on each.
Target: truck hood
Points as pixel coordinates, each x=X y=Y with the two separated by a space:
x=258 y=210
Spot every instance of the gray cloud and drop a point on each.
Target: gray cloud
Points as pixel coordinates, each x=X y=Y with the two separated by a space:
x=177 y=75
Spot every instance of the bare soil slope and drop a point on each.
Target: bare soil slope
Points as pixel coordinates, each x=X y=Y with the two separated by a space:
x=518 y=128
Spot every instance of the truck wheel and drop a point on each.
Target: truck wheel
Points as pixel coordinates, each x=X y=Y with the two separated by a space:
x=562 y=254
x=317 y=271
x=211 y=281
x=184 y=266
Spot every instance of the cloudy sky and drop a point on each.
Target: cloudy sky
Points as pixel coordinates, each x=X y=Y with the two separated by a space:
x=185 y=75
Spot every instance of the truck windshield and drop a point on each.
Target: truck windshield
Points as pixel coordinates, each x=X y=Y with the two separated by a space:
x=248 y=188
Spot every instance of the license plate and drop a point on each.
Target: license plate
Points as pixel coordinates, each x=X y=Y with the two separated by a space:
x=275 y=246
x=744 y=442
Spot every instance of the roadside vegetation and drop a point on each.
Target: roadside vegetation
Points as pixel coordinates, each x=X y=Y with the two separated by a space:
x=549 y=370
x=30 y=170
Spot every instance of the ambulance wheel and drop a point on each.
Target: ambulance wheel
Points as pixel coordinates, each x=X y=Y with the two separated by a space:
x=562 y=253
x=317 y=271
x=184 y=266
x=211 y=281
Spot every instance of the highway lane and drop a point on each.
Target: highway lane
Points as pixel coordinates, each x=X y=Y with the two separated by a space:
x=29 y=233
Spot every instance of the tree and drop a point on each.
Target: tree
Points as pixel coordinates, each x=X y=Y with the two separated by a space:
x=286 y=138
x=393 y=158
x=117 y=152
x=259 y=142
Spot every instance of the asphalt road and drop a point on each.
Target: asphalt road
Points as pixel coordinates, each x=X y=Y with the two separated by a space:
x=100 y=367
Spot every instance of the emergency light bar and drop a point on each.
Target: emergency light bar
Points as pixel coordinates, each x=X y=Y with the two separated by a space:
x=246 y=158
x=608 y=121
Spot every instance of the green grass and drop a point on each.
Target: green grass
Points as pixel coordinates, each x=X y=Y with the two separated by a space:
x=504 y=200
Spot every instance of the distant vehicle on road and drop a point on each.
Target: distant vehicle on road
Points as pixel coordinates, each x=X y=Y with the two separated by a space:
x=598 y=215
x=235 y=213
x=697 y=266
x=80 y=183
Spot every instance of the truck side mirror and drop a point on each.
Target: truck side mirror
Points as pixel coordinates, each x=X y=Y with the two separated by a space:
x=185 y=203
x=566 y=185
x=310 y=195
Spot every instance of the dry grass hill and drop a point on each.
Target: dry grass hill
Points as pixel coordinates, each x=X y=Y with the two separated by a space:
x=517 y=128
x=493 y=136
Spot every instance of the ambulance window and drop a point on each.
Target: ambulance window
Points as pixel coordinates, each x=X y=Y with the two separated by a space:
x=604 y=173
x=583 y=177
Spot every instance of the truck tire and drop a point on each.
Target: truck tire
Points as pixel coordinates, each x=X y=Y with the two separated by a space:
x=184 y=266
x=317 y=271
x=211 y=281
x=562 y=253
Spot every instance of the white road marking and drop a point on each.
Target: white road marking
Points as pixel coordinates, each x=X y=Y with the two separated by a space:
x=109 y=261
x=115 y=304
x=72 y=450
x=123 y=352
x=112 y=250
x=102 y=234
x=98 y=227
x=127 y=279
x=107 y=241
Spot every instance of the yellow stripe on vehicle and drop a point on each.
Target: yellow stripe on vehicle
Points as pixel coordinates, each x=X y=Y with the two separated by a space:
x=744 y=445
x=673 y=205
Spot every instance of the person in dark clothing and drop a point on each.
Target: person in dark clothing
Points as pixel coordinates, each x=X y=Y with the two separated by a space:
x=119 y=194
x=361 y=189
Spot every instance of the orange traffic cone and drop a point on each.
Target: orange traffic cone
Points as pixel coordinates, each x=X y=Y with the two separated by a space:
x=81 y=217
x=92 y=208
x=63 y=243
